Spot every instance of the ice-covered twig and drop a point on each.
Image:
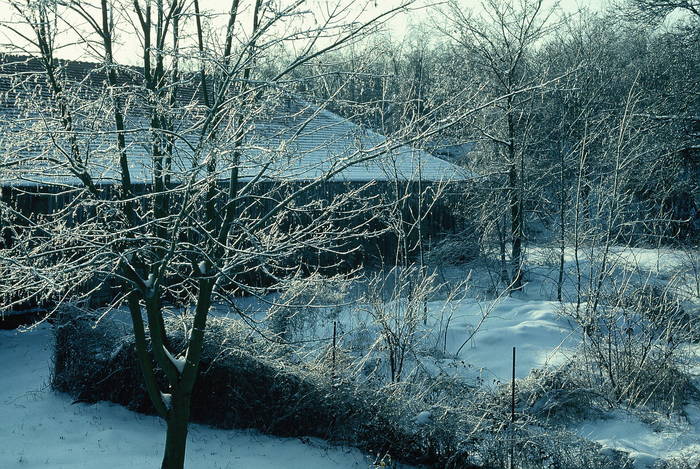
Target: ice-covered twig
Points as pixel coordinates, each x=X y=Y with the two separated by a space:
x=149 y=281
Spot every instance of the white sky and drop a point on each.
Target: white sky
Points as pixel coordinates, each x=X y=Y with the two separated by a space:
x=127 y=51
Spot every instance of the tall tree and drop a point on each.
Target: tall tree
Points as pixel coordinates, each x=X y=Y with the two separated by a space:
x=655 y=11
x=160 y=168
x=500 y=39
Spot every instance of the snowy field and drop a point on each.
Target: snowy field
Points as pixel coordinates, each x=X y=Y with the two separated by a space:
x=475 y=336
x=544 y=339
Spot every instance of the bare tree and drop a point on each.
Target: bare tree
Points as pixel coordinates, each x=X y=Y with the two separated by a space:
x=655 y=11
x=176 y=180
x=499 y=41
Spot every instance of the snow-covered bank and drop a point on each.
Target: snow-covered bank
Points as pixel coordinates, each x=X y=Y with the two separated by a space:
x=40 y=428
x=541 y=337
x=646 y=443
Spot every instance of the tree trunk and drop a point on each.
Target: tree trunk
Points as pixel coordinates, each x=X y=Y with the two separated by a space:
x=517 y=194
x=176 y=438
x=501 y=226
x=562 y=226
x=516 y=229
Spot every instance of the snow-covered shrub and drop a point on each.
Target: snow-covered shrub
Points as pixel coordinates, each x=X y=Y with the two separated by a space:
x=397 y=303
x=558 y=395
x=89 y=362
x=482 y=417
x=691 y=271
x=308 y=303
x=454 y=249
x=633 y=345
x=662 y=312
x=539 y=448
x=247 y=381
x=677 y=463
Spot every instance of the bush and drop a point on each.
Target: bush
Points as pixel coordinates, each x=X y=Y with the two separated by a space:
x=552 y=449
x=247 y=381
x=632 y=350
x=678 y=463
x=560 y=395
x=662 y=312
x=309 y=301
x=454 y=249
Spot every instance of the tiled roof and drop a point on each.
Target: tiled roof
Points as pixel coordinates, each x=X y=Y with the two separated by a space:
x=292 y=139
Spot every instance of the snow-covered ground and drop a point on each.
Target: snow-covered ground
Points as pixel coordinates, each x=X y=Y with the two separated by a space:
x=645 y=442
x=470 y=336
x=43 y=429
x=541 y=337
x=545 y=339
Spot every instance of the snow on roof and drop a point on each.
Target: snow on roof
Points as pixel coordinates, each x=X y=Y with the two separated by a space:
x=324 y=139
x=292 y=140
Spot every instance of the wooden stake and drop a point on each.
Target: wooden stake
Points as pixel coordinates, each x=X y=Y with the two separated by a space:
x=512 y=416
x=512 y=392
x=334 y=342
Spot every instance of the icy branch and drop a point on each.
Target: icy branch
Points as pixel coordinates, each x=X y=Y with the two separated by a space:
x=149 y=282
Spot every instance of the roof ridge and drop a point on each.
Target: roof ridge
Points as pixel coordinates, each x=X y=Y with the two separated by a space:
x=28 y=57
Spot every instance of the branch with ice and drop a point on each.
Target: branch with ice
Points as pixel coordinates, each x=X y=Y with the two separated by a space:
x=203 y=267
x=178 y=362
x=148 y=283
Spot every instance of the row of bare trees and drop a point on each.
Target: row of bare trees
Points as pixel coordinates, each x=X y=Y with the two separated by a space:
x=596 y=104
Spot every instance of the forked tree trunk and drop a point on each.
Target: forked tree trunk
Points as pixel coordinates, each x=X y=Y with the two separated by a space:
x=176 y=437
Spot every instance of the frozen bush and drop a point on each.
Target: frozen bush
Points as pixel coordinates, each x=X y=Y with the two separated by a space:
x=397 y=303
x=633 y=346
x=454 y=249
x=309 y=303
x=561 y=395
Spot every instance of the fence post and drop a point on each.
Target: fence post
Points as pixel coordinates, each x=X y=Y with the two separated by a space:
x=512 y=416
x=334 y=342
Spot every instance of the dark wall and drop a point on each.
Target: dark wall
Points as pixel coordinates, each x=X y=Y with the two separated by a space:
x=379 y=246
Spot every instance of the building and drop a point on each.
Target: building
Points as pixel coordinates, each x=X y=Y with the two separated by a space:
x=284 y=142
